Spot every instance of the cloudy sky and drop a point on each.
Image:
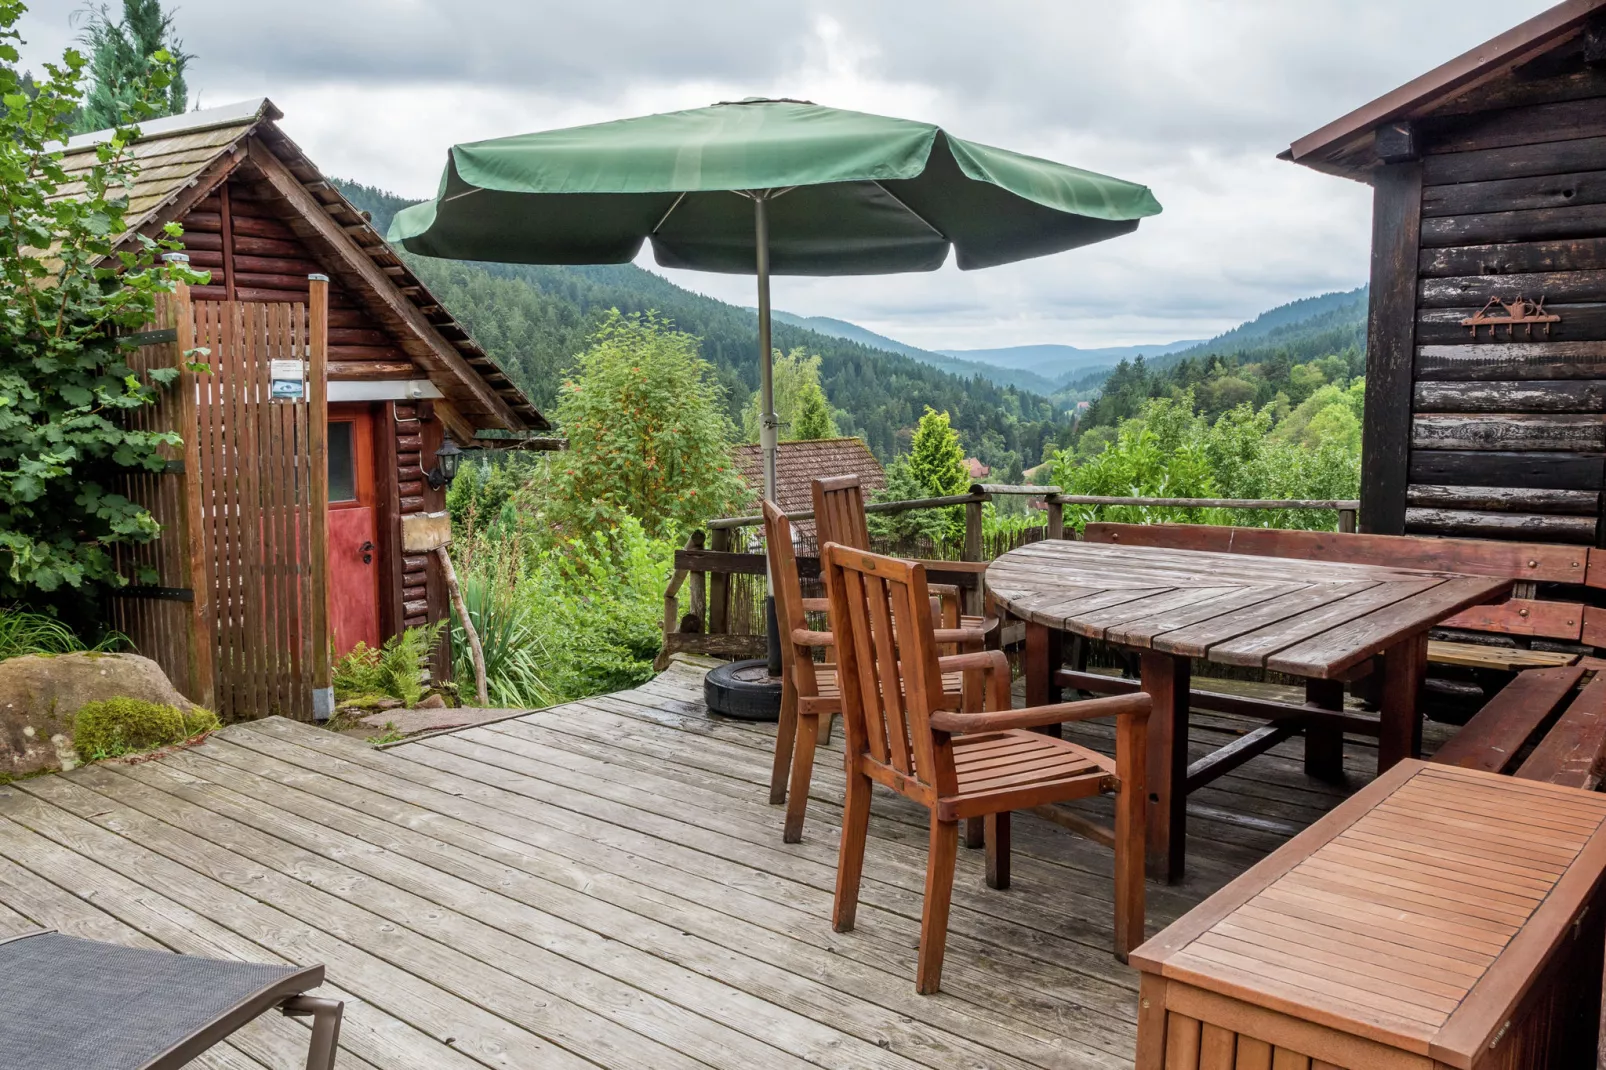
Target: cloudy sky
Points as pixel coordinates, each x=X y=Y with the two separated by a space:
x=1191 y=97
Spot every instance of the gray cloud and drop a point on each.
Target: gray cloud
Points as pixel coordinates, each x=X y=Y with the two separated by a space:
x=1193 y=97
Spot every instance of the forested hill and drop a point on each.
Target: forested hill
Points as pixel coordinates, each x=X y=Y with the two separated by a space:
x=535 y=319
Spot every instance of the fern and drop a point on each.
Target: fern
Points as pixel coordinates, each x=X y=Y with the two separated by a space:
x=403 y=661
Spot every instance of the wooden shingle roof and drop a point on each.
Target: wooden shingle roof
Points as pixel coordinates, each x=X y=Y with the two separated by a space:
x=798 y=463
x=184 y=158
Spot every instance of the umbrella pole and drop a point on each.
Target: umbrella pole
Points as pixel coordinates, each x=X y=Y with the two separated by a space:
x=768 y=422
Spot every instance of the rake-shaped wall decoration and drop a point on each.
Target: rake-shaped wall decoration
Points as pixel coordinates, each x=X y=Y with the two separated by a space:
x=1521 y=312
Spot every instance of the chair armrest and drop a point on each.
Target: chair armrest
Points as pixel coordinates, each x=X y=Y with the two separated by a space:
x=961 y=635
x=804 y=637
x=994 y=667
x=1038 y=716
x=816 y=605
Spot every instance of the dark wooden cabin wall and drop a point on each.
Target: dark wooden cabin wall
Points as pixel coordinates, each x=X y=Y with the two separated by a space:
x=240 y=236
x=1508 y=435
x=263 y=260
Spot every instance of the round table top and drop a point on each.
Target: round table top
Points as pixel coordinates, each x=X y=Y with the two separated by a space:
x=1302 y=617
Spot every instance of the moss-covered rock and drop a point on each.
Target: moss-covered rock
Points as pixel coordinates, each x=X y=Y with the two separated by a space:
x=117 y=726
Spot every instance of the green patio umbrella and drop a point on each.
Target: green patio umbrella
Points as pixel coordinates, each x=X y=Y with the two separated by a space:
x=763 y=187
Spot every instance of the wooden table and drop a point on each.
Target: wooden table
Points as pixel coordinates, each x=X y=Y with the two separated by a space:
x=1321 y=620
x=1439 y=917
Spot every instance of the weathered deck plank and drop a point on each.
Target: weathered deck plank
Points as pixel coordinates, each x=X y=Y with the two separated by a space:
x=603 y=884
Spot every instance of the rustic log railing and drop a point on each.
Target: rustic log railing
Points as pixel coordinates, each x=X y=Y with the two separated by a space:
x=710 y=563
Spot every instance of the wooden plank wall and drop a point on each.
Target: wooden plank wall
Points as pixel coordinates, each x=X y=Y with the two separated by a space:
x=1508 y=435
x=256 y=479
x=239 y=234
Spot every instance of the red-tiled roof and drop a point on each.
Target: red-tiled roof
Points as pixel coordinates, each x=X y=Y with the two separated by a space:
x=797 y=463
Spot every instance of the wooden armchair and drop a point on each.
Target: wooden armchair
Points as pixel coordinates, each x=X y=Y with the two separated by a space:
x=809 y=688
x=903 y=731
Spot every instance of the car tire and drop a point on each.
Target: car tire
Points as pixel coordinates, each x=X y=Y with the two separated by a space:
x=743 y=690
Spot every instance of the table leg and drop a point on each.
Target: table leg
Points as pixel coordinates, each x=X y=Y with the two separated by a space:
x=1042 y=659
x=1324 y=744
x=1165 y=679
x=1399 y=736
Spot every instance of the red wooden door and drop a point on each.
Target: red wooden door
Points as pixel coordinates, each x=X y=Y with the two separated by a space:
x=354 y=567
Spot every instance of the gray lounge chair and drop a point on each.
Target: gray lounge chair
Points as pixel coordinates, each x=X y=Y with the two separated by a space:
x=71 y=1004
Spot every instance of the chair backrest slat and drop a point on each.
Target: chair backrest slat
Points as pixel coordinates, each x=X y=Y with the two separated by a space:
x=797 y=663
x=887 y=658
x=839 y=511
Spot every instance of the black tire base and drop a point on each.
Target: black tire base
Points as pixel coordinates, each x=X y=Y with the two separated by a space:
x=743 y=690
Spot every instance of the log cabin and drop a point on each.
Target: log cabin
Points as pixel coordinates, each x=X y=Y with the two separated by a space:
x=403 y=377
x=1486 y=343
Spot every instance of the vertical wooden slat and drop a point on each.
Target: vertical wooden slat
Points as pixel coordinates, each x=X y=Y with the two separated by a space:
x=254 y=356
x=1390 y=346
x=317 y=388
x=191 y=548
x=1285 y=1059
x=1217 y=1048
x=268 y=494
x=1253 y=1054
x=1181 y=1042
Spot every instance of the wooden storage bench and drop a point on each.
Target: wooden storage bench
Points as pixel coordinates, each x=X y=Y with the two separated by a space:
x=1440 y=917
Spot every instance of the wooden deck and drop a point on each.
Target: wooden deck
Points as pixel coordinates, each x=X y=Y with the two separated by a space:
x=604 y=884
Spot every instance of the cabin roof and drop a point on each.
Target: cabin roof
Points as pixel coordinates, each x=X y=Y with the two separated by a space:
x=797 y=464
x=183 y=158
x=1465 y=84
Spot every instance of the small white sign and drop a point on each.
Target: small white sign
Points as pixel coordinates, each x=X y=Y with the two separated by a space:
x=286 y=369
x=284 y=389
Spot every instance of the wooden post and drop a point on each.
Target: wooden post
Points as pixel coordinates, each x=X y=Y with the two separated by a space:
x=197 y=574
x=476 y=652
x=323 y=696
x=1056 y=519
x=699 y=586
x=973 y=552
x=719 y=587
x=1390 y=345
x=1399 y=736
x=1346 y=521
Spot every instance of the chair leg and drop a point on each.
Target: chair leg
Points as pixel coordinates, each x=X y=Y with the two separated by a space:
x=998 y=850
x=785 y=736
x=797 y=803
x=825 y=732
x=975 y=832
x=326 y=1015
x=1131 y=802
x=850 y=854
x=939 y=894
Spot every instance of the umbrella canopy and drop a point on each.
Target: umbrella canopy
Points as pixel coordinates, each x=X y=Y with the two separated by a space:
x=848 y=194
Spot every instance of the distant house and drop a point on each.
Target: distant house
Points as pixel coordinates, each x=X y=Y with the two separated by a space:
x=978 y=471
x=798 y=463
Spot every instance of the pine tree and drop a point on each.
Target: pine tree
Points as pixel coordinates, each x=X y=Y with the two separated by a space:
x=813 y=415
x=121 y=56
x=935 y=458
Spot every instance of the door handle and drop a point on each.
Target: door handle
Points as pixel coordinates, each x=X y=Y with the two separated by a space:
x=365 y=547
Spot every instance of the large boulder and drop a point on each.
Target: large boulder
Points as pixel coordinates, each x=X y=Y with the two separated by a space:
x=39 y=693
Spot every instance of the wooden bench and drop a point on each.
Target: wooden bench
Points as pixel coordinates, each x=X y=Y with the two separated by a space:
x=1545 y=702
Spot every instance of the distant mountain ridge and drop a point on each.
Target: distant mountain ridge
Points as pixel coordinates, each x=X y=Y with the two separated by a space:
x=1062 y=362
x=852 y=332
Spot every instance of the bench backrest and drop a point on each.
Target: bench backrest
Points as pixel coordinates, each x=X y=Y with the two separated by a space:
x=1521 y=561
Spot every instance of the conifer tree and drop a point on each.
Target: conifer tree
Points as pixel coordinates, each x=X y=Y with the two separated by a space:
x=813 y=415
x=121 y=64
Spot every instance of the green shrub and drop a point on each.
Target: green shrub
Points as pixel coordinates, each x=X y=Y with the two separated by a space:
x=118 y=726
x=395 y=669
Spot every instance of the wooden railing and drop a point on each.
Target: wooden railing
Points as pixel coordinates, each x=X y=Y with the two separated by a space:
x=712 y=564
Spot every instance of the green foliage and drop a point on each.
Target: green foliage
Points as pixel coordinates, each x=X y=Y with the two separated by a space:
x=118 y=726
x=507 y=623
x=125 y=64
x=797 y=383
x=1170 y=450
x=565 y=619
x=396 y=669
x=933 y=468
x=65 y=387
x=533 y=319
x=813 y=416
x=648 y=435
x=22 y=632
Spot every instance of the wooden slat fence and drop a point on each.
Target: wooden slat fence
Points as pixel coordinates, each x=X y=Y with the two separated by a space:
x=250 y=494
